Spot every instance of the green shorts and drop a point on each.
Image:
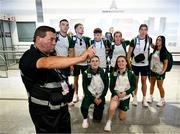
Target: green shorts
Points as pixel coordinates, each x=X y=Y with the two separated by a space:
x=158 y=76
x=124 y=104
x=78 y=69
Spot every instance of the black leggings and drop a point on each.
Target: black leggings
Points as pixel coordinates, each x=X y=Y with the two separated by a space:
x=97 y=114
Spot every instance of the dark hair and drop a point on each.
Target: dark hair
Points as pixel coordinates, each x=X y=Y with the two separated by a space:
x=163 y=49
x=116 y=65
x=41 y=31
x=76 y=25
x=97 y=30
x=116 y=32
x=143 y=25
x=95 y=56
x=63 y=20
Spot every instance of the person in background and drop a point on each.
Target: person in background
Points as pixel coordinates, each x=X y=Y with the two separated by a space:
x=95 y=86
x=109 y=35
x=139 y=52
x=80 y=44
x=158 y=66
x=122 y=84
x=48 y=89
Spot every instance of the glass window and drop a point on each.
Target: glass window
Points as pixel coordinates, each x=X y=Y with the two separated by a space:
x=26 y=31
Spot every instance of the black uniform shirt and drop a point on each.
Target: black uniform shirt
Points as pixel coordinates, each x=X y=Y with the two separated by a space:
x=31 y=75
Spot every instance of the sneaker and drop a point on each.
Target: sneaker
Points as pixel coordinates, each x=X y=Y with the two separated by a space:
x=161 y=103
x=144 y=103
x=85 y=123
x=134 y=102
x=108 y=126
x=92 y=106
x=150 y=100
x=75 y=98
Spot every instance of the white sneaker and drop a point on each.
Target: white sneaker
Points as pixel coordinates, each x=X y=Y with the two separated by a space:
x=85 y=123
x=108 y=126
x=92 y=106
x=75 y=98
x=134 y=102
x=161 y=103
x=144 y=102
x=150 y=100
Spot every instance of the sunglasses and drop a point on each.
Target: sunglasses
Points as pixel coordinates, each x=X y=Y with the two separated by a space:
x=80 y=42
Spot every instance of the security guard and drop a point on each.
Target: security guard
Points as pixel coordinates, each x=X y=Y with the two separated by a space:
x=48 y=90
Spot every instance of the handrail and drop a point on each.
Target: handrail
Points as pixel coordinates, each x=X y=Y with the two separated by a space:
x=6 y=68
x=175 y=52
x=11 y=51
x=16 y=56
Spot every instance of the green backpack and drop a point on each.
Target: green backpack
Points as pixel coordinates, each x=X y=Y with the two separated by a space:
x=170 y=61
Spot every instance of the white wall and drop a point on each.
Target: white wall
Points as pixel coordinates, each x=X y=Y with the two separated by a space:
x=135 y=12
x=126 y=18
x=23 y=10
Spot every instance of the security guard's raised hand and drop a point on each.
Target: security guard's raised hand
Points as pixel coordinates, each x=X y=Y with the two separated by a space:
x=91 y=52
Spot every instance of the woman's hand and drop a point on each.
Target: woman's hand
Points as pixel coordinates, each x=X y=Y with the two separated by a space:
x=121 y=94
x=115 y=98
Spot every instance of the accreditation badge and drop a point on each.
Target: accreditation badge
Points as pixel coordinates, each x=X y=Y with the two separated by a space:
x=65 y=87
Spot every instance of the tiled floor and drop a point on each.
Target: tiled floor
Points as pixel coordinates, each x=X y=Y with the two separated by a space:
x=15 y=119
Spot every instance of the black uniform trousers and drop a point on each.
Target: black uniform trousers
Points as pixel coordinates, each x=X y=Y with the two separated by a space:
x=50 y=121
x=98 y=109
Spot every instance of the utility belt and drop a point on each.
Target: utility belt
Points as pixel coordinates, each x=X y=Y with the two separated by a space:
x=51 y=94
x=53 y=98
x=46 y=103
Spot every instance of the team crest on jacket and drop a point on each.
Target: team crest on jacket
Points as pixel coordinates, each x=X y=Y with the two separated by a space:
x=115 y=73
x=89 y=75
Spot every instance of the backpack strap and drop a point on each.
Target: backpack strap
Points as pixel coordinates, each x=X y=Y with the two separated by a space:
x=92 y=42
x=147 y=39
x=69 y=38
x=111 y=50
x=57 y=35
x=135 y=40
x=124 y=46
x=87 y=41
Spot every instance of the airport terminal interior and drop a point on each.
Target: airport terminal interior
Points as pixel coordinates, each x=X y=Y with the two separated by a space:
x=20 y=18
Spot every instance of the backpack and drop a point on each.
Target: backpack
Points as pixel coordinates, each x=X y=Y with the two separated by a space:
x=170 y=61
